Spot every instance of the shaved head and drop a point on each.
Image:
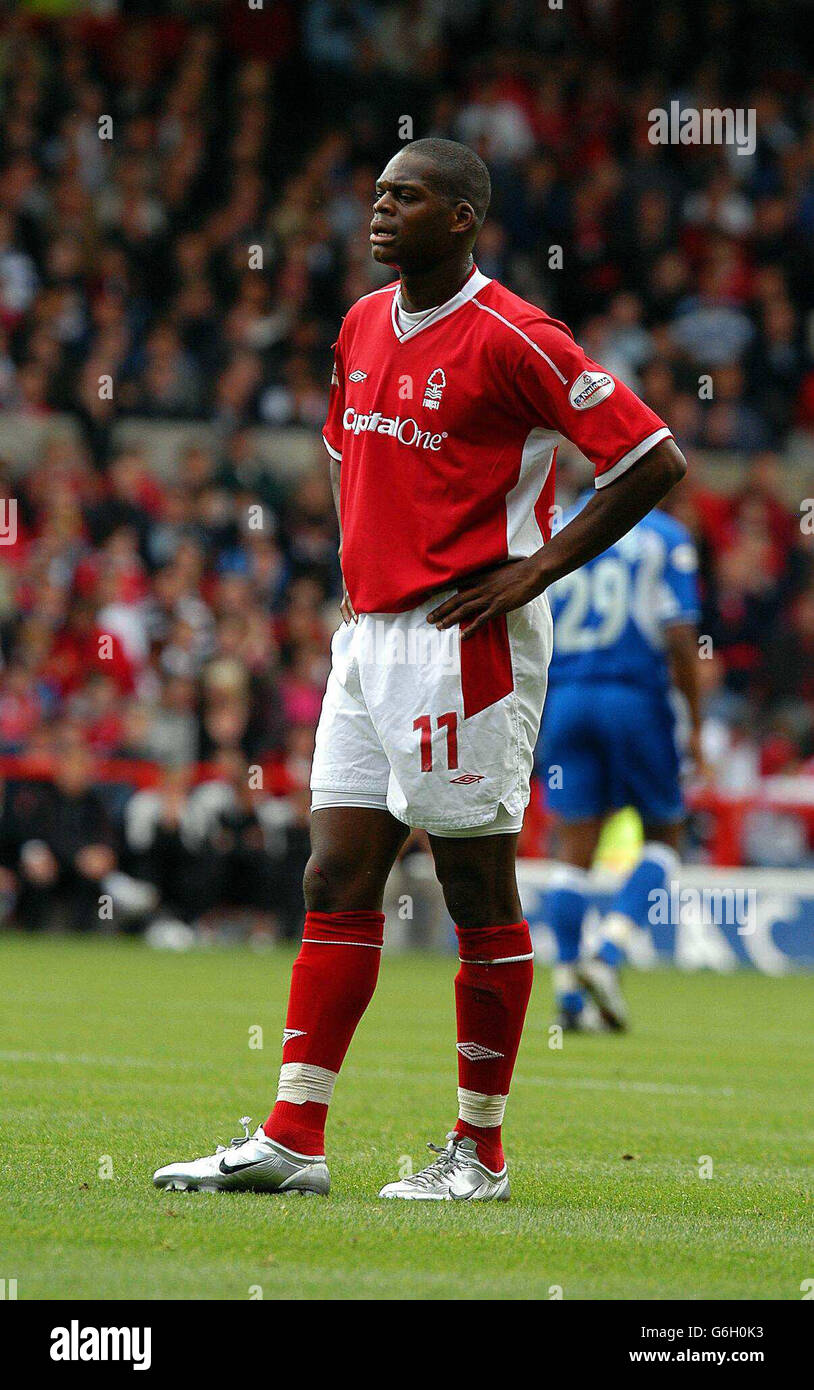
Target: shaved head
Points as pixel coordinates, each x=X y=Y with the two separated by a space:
x=454 y=172
x=430 y=202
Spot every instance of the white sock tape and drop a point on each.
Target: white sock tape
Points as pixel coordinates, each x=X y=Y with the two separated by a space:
x=300 y=1081
x=477 y=1109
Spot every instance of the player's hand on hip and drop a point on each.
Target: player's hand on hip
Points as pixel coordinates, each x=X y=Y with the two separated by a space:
x=487 y=595
x=346 y=608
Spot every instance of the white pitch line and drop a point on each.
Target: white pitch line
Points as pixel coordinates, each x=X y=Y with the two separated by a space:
x=84 y=1059
x=655 y=1088
x=585 y=1083
x=588 y=1083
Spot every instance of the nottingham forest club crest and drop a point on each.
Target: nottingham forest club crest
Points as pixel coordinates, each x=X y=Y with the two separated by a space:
x=433 y=391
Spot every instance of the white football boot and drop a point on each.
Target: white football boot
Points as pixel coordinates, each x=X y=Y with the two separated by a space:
x=588 y=1020
x=602 y=983
x=254 y=1163
x=456 y=1175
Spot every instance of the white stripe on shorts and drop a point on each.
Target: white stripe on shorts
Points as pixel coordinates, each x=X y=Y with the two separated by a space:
x=503 y=824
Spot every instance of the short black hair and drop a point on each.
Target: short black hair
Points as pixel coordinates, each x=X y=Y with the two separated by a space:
x=460 y=174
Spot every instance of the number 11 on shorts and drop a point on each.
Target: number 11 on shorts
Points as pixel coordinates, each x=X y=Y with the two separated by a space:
x=444 y=721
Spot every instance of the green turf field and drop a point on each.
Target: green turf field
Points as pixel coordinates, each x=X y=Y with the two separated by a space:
x=108 y=1049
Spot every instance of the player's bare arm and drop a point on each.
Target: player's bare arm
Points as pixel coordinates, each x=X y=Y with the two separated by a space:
x=346 y=607
x=682 y=645
x=612 y=512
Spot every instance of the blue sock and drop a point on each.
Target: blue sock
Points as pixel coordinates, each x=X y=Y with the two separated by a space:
x=563 y=909
x=631 y=903
x=611 y=954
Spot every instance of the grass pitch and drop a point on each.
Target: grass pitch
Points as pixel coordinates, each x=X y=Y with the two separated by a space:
x=115 y=1059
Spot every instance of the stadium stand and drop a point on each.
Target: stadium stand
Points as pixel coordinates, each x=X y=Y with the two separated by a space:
x=168 y=301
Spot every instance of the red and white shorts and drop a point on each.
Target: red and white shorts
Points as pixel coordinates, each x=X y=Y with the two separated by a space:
x=438 y=731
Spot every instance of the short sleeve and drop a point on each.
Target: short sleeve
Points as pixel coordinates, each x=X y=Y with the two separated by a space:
x=332 y=432
x=558 y=386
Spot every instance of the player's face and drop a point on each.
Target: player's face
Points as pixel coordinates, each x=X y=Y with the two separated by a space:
x=413 y=226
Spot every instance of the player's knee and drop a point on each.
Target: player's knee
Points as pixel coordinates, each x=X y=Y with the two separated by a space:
x=470 y=898
x=318 y=886
x=329 y=884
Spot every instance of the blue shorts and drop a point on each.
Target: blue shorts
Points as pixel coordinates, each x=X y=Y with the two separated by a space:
x=604 y=746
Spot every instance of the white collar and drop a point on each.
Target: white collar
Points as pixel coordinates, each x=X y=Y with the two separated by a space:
x=411 y=319
x=468 y=290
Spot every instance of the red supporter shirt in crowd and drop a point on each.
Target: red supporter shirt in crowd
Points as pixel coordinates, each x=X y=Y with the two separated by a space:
x=447 y=435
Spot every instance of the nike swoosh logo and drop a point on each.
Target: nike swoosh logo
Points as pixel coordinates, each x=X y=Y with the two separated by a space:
x=238 y=1167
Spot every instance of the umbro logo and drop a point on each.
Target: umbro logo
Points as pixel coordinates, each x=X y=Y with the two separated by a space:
x=357 y=375
x=476 y=1052
x=289 y=1033
x=466 y=779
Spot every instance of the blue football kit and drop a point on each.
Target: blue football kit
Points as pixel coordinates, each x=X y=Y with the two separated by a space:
x=608 y=735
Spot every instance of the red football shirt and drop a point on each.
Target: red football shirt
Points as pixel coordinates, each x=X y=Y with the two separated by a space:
x=447 y=435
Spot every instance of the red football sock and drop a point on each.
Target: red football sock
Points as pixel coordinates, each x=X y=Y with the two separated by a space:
x=332 y=983
x=492 y=991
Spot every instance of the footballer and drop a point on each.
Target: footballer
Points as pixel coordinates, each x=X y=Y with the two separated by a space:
x=448 y=399
x=625 y=642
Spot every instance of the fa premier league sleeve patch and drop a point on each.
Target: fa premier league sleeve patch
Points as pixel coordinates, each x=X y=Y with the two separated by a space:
x=590 y=388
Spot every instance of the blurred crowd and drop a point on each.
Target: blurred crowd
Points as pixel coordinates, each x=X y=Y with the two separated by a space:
x=195 y=266
x=183 y=208
x=181 y=626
